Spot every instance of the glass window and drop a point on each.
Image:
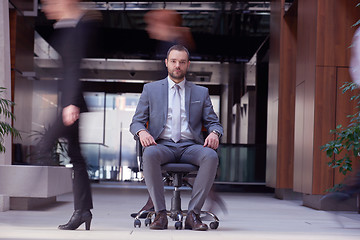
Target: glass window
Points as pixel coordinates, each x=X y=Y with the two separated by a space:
x=106 y=142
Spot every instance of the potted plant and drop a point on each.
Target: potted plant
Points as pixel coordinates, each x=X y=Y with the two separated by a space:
x=53 y=157
x=6 y=128
x=347 y=139
x=346 y=145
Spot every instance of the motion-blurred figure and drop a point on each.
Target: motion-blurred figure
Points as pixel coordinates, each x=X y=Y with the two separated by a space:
x=165 y=26
x=355 y=58
x=74 y=28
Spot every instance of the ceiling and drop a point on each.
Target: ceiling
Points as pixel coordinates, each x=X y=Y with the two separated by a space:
x=222 y=31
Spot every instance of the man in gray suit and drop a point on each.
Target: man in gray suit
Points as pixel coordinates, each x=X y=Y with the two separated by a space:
x=175 y=111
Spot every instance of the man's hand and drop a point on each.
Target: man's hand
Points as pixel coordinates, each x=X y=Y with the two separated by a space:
x=212 y=141
x=70 y=114
x=146 y=139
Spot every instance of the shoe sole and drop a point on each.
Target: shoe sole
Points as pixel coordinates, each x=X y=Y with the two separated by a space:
x=158 y=228
x=196 y=229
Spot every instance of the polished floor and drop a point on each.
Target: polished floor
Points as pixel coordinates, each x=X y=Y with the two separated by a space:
x=249 y=216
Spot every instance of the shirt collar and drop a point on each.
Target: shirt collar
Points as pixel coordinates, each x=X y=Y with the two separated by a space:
x=172 y=83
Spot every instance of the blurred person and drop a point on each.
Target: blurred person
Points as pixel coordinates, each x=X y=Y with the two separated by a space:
x=174 y=135
x=165 y=26
x=74 y=28
x=355 y=58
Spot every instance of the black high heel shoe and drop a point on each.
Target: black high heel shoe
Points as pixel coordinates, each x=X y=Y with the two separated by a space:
x=143 y=214
x=79 y=217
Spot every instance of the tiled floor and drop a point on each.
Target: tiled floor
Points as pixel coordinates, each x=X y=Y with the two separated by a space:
x=250 y=216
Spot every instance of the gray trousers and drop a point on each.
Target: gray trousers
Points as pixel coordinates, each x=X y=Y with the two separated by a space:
x=183 y=152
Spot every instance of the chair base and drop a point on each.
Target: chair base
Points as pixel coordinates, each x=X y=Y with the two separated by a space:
x=177 y=216
x=176 y=173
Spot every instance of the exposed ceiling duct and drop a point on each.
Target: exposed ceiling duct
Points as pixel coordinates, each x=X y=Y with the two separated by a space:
x=260 y=7
x=224 y=32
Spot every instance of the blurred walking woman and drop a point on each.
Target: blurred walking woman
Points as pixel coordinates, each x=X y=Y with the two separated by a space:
x=74 y=28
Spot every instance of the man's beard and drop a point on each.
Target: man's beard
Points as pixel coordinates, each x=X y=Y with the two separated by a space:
x=178 y=77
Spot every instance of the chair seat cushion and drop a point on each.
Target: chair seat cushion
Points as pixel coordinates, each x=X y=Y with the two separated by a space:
x=179 y=167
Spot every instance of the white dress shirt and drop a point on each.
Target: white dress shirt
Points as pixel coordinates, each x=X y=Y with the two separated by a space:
x=185 y=131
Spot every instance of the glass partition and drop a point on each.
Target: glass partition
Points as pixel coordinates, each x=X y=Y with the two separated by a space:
x=239 y=163
x=106 y=142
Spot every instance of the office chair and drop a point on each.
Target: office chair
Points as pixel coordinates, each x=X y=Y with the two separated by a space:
x=173 y=173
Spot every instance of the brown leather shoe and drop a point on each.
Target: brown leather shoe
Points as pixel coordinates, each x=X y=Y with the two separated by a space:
x=160 y=221
x=193 y=222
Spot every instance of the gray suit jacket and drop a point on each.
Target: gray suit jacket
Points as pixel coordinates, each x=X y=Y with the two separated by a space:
x=153 y=107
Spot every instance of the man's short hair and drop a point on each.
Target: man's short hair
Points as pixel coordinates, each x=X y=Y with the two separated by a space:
x=178 y=48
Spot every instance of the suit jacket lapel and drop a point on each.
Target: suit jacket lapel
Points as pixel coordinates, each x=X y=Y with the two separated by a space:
x=187 y=99
x=165 y=93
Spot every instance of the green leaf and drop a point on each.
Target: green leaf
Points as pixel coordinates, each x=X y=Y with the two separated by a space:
x=329 y=152
x=6 y=128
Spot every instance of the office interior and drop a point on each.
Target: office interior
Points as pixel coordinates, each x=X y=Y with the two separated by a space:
x=273 y=70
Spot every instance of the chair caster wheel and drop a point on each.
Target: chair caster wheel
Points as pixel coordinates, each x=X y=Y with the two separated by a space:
x=147 y=222
x=137 y=223
x=178 y=225
x=214 y=225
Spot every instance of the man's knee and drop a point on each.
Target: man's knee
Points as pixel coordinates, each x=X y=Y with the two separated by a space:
x=210 y=156
x=151 y=153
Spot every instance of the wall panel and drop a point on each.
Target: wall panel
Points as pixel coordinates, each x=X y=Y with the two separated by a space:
x=322 y=39
x=12 y=23
x=273 y=92
x=281 y=99
x=325 y=102
x=271 y=146
x=305 y=81
x=335 y=31
x=306 y=41
x=334 y=36
x=285 y=153
x=5 y=74
x=300 y=171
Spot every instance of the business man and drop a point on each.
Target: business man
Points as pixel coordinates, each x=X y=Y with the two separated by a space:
x=74 y=29
x=175 y=111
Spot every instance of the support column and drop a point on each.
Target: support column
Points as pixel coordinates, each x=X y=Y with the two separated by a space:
x=5 y=81
x=281 y=100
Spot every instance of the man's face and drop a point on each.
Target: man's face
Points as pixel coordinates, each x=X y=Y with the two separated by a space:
x=177 y=64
